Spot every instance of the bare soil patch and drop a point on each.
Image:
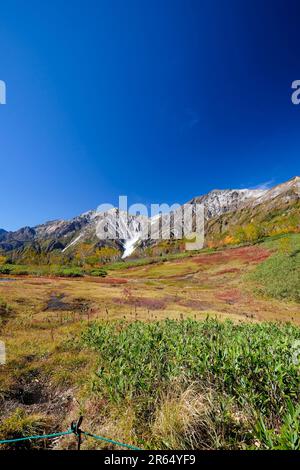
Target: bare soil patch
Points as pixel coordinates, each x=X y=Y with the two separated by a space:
x=195 y=304
x=57 y=303
x=151 y=304
x=32 y=392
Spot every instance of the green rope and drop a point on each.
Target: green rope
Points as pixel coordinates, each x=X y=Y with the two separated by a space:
x=71 y=431
x=110 y=441
x=43 y=436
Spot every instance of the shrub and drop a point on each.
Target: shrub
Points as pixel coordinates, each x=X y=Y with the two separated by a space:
x=279 y=276
x=248 y=368
x=20 y=271
x=17 y=270
x=287 y=437
x=68 y=272
x=5 y=269
x=98 y=272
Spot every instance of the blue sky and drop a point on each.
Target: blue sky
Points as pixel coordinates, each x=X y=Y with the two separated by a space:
x=156 y=100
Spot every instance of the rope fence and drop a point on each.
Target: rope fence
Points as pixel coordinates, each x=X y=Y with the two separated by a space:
x=42 y=436
x=75 y=429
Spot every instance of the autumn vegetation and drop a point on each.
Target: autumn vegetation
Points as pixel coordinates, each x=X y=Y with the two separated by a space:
x=166 y=351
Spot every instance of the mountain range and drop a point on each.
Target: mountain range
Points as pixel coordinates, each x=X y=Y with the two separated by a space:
x=224 y=210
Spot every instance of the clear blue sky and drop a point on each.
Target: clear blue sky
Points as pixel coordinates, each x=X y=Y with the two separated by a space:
x=158 y=100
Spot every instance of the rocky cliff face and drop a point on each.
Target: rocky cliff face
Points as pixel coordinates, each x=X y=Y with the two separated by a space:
x=124 y=230
x=284 y=192
x=2 y=233
x=218 y=202
x=278 y=206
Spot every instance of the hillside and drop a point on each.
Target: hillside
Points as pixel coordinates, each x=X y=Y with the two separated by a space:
x=275 y=212
x=232 y=217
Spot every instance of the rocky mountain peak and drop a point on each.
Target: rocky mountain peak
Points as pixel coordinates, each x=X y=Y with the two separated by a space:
x=219 y=201
x=67 y=233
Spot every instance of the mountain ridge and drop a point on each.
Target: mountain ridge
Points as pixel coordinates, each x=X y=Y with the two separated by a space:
x=221 y=207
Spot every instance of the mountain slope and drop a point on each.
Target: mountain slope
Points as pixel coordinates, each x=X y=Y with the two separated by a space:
x=276 y=211
x=218 y=202
x=225 y=211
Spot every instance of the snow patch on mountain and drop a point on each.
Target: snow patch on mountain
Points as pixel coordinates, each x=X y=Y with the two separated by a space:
x=130 y=245
x=128 y=230
x=73 y=242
